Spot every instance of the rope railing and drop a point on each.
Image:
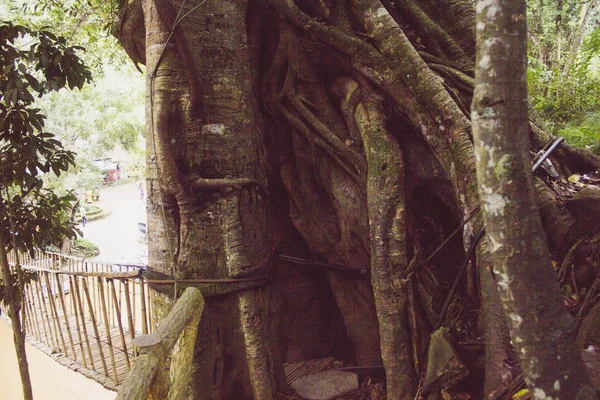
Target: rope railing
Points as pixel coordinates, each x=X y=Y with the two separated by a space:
x=93 y=313
x=87 y=311
x=145 y=378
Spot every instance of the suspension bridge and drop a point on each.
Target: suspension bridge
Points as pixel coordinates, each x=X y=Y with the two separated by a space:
x=96 y=319
x=85 y=314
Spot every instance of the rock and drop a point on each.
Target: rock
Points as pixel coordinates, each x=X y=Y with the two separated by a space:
x=444 y=368
x=584 y=206
x=592 y=362
x=589 y=330
x=326 y=385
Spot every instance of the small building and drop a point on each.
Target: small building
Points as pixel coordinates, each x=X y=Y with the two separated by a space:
x=111 y=169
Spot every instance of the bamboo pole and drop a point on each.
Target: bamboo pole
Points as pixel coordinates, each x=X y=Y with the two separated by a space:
x=61 y=297
x=55 y=314
x=37 y=294
x=83 y=324
x=107 y=327
x=143 y=305
x=133 y=298
x=48 y=319
x=107 y=275
x=150 y=310
x=111 y=307
x=27 y=315
x=93 y=318
x=30 y=313
x=130 y=322
x=77 y=325
x=33 y=313
x=118 y=310
x=120 y=291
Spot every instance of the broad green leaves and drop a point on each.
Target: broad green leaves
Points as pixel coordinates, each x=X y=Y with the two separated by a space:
x=33 y=63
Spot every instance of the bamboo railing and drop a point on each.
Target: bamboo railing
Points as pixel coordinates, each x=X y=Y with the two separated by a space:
x=87 y=311
x=146 y=379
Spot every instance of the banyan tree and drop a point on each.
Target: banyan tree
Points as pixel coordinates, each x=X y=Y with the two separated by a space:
x=336 y=133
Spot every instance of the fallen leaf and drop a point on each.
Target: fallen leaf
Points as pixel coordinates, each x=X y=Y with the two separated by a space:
x=574 y=178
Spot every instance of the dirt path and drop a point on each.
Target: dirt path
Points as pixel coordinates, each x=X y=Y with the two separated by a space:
x=50 y=380
x=117 y=236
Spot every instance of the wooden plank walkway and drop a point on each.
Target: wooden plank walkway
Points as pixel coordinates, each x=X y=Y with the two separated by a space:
x=80 y=360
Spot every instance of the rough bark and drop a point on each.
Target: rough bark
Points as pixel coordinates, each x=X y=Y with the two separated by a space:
x=541 y=328
x=357 y=150
x=208 y=216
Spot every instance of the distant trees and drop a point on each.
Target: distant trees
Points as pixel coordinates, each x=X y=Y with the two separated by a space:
x=33 y=63
x=564 y=43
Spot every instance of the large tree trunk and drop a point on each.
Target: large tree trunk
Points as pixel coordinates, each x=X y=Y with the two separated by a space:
x=207 y=209
x=334 y=130
x=540 y=326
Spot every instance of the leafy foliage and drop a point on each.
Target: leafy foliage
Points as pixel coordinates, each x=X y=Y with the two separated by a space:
x=566 y=97
x=33 y=63
x=27 y=277
x=84 y=248
x=80 y=21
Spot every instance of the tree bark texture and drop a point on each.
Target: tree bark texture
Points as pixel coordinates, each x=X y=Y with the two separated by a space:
x=331 y=130
x=203 y=126
x=542 y=330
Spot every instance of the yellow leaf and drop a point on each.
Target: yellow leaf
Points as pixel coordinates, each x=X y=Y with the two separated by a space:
x=574 y=178
x=521 y=394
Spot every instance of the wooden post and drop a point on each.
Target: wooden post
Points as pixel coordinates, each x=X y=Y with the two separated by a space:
x=146 y=379
x=143 y=305
x=128 y=305
x=55 y=313
x=28 y=319
x=119 y=323
x=138 y=381
x=32 y=311
x=107 y=327
x=83 y=324
x=77 y=325
x=133 y=298
x=148 y=295
x=61 y=297
x=47 y=334
x=183 y=357
x=95 y=325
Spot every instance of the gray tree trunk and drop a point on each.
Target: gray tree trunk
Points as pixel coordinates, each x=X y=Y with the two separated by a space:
x=541 y=329
x=207 y=209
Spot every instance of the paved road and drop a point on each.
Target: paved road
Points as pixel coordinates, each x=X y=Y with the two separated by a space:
x=117 y=236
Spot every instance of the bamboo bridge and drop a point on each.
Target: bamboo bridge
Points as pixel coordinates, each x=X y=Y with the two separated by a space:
x=85 y=314
x=95 y=319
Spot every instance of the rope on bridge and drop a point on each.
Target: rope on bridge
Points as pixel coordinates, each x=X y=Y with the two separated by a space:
x=74 y=309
